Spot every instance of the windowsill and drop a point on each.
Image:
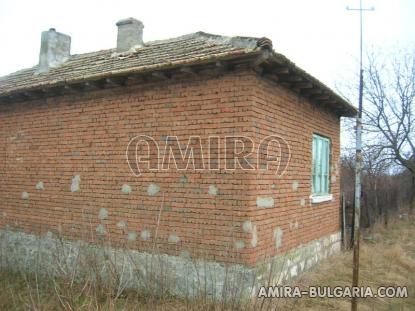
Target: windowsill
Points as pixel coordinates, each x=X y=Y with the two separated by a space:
x=315 y=198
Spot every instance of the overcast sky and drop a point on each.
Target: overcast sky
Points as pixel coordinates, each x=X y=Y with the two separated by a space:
x=321 y=36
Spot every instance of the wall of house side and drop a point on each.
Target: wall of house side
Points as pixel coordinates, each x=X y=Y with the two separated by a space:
x=292 y=220
x=64 y=172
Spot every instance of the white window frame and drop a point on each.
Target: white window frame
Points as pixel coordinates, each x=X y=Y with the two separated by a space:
x=320 y=172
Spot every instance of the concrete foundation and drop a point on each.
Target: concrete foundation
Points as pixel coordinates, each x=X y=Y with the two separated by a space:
x=178 y=275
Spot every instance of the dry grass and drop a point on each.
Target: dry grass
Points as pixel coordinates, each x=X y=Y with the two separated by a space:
x=387 y=258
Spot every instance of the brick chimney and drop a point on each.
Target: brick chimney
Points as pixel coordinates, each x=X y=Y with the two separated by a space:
x=130 y=34
x=55 y=49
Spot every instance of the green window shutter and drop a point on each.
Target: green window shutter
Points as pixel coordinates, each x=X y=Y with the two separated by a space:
x=321 y=165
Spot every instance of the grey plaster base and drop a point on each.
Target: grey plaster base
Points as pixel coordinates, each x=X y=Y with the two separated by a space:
x=158 y=273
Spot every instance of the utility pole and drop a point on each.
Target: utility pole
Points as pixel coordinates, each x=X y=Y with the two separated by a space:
x=359 y=163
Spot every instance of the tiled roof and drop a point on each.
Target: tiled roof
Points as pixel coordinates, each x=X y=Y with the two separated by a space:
x=188 y=50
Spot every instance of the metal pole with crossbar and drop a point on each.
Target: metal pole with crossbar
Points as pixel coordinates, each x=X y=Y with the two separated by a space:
x=359 y=163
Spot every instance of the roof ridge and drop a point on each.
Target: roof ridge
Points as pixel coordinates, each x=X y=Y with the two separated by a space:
x=146 y=44
x=236 y=41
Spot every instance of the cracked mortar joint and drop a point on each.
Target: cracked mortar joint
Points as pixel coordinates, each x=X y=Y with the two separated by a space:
x=40 y=186
x=126 y=189
x=173 y=239
x=76 y=180
x=25 y=195
x=213 y=190
x=103 y=214
x=145 y=235
x=153 y=189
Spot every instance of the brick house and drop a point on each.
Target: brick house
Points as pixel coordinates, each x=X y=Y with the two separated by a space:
x=65 y=169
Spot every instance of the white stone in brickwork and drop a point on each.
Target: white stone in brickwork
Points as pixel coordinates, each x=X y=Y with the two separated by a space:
x=126 y=189
x=295 y=185
x=76 y=180
x=254 y=240
x=145 y=235
x=40 y=186
x=132 y=236
x=213 y=190
x=302 y=202
x=153 y=189
x=25 y=195
x=174 y=239
x=293 y=225
x=265 y=202
x=239 y=244
x=278 y=233
x=100 y=229
x=247 y=226
x=183 y=179
x=103 y=214
x=122 y=224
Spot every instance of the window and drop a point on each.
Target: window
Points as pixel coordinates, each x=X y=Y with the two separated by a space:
x=321 y=167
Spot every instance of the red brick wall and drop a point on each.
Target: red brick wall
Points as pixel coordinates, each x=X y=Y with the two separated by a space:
x=278 y=111
x=54 y=139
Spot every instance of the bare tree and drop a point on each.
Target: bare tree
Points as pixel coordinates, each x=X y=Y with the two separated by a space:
x=389 y=117
x=375 y=168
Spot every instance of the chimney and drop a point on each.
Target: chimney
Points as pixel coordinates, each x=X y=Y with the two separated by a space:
x=130 y=34
x=55 y=48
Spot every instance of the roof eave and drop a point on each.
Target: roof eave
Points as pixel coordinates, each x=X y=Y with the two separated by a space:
x=270 y=63
x=284 y=72
x=142 y=70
